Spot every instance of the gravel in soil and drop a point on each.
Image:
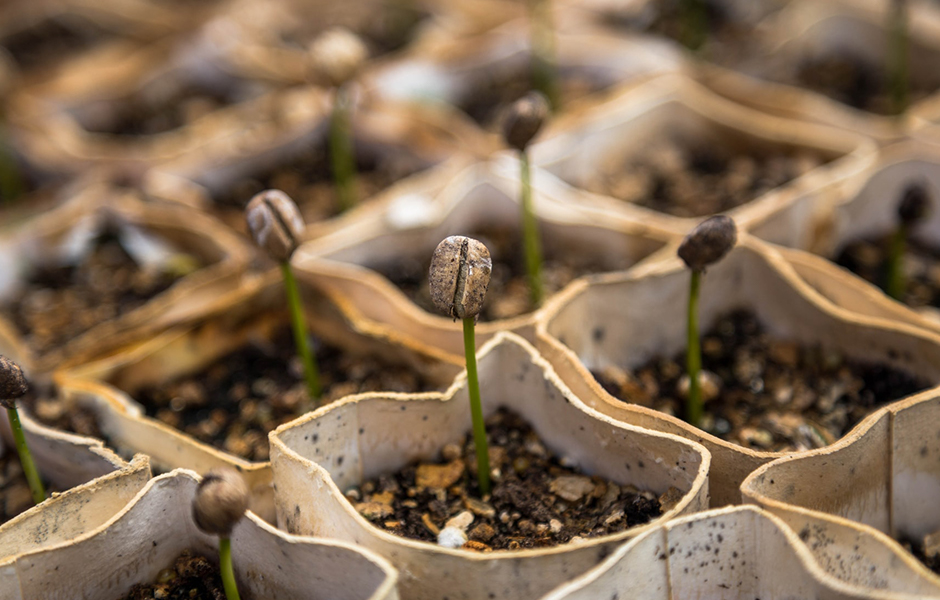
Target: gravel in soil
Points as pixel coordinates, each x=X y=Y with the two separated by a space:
x=536 y=501
x=308 y=179
x=853 y=82
x=237 y=400
x=58 y=303
x=689 y=180
x=51 y=39
x=508 y=293
x=765 y=393
x=921 y=266
x=15 y=496
x=191 y=577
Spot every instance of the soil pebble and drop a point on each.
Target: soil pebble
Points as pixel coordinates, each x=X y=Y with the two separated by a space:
x=191 y=577
x=536 y=502
x=773 y=394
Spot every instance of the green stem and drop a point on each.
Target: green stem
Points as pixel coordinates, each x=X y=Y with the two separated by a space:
x=530 y=235
x=476 y=407
x=26 y=459
x=898 y=49
x=692 y=24
x=693 y=355
x=341 y=152
x=895 y=283
x=544 y=76
x=311 y=373
x=226 y=568
x=11 y=181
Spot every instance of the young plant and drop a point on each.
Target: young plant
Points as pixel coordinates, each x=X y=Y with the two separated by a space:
x=276 y=225
x=522 y=123
x=459 y=275
x=703 y=246
x=337 y=55
x=912 y=209
x=692 y=23
x=897 y=60
x=12 y=386
x=219 y=504
x=544 y=77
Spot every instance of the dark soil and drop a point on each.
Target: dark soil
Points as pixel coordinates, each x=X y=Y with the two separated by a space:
x=854 y=82
x=58 y=303
x=536 y=501
x=308 y=179
x=917 y=549
x=236 y=401
x=53 y=39
x=390 y=29
x=50 y=409
x=770 y=394
x=191 y=577
x=15 y=496
x=686 y=180
x=868 y=260
x=508 y=293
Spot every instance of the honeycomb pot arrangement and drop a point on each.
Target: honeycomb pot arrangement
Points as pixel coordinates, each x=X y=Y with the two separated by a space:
x=156 y=527
x=376 y=265
x=880 y=478
x=694 y=555
x=320 y=457
x=624 y=328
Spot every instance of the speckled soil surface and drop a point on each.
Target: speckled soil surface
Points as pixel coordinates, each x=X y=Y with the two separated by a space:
x=685 y=180
x=508 y=294
x=921 y=267
x=766 y=393
x=190 y=577
x=237 y=400
x=537 y=501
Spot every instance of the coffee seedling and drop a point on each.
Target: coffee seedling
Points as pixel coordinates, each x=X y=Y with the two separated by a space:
x=276 y=225
x=522 y=123
x=692 y=17
x=459 y=275
x=219 y=504
x=544 y=75
x=912 y=209
x=897 y=60
x=13 y=386
x=703 y=246
x=337 y=55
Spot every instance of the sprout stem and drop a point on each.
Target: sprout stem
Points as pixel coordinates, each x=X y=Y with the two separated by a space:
x=895 y=283
x=26 y=459
x=898 y=50
x=692 y=23
x=476 y=406
x=11 y=181
x=530 y=235
x=226 y=568
x=341 y=152
x=311 y=373
x=693 y=356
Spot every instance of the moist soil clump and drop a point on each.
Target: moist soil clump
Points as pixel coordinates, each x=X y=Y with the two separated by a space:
x=308 y=179
x=58 y=303
x=688 y=180
x=52 y=410
x=766 y=393
x=536 y=500
x=191 y=577
x=854 y=82
x=508 y=293
x=236 y=401
x=869 y=259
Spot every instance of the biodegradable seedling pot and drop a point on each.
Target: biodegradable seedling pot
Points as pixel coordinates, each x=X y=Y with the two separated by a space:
x=108 y=386
x=151 y=531
x=319 y=456
x=883 y=477
x=735 y=553
x=625 y=320
x=152 y=235
x=674 y=110
x=406 y=228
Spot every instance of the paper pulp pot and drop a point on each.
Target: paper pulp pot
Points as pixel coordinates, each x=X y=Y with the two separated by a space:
x=625 y=320
x=884 y=477
x=737 y=553
x=109 y=385
x=407 y=227
x=152 y=234
x=319 y=456
x=672 y=107
x=807 y=30
x=150 y=532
